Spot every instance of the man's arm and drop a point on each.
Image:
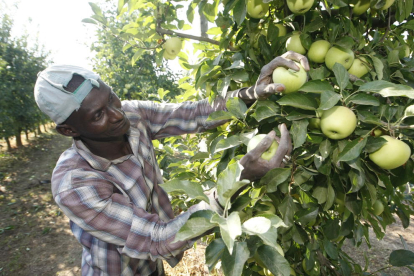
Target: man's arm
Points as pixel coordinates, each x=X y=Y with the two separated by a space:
x=93 y=205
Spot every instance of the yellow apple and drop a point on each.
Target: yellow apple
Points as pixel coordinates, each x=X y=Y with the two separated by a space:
x=299 y=6
x=166 y=55
x=282 y=29
x=291 y=79
x=359 y=6
x=318 y=50
x=359 y=67
x=338 y=54
x=338 y=122
x=392 y=154
x=257 y=9
x=294 y=44
x=378 y=207
x=173 y=46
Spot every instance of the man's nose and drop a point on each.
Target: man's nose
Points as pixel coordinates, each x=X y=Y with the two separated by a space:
x=116 y=114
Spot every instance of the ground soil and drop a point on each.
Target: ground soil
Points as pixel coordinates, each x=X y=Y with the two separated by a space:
x=35 y=238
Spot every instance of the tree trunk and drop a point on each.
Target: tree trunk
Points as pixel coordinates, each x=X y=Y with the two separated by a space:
x=44 y=127
x=9 y=148
x=26 y=132
x=38 y=130
x=203 y=24
x=19 y=138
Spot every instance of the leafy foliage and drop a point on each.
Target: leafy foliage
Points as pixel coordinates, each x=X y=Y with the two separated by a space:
x=19 y=66
x=326 y=193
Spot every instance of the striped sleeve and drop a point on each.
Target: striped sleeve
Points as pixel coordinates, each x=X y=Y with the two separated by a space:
x=110 y=217
x=168 y=119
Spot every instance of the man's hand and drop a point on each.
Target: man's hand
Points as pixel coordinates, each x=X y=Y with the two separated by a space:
x=264 y=86
x=255 y=167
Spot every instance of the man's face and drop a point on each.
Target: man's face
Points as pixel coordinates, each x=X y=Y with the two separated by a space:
x=100 y=116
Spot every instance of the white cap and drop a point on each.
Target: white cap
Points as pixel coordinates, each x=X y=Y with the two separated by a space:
x=51 y=95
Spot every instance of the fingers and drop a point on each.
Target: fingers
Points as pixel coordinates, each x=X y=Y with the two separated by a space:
x=303 y=60
x=263 y=91
x=262 y=146
x=285 y=147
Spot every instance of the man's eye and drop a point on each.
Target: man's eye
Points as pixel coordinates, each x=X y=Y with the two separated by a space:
x=98 y=115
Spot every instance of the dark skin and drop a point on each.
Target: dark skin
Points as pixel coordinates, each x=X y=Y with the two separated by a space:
x=102 y=125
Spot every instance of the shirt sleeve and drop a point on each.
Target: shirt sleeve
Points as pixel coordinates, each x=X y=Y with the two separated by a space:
x=170 y=119
x=109 y=216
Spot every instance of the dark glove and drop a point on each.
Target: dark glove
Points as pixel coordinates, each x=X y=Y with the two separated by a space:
x=255 y=167
x=264 y=86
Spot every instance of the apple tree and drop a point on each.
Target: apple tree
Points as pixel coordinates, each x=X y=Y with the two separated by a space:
x=351 y=125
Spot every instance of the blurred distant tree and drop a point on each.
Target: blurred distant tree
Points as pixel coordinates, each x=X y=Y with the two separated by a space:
x=19 y=66
x=130 y=72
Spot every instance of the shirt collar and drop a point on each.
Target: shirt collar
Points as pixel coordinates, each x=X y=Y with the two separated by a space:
x=100 y=163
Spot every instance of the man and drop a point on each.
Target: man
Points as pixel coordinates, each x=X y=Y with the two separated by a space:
x=107 y=183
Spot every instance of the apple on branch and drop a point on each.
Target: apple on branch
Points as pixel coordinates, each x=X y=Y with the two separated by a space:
x=338 y=122
x=291 y=79
x=338 y=54
x=257 y=9
x=392 y=154
x=172 y=47
x=299 y=6
x=318 y=50
x=359 y=67
x=359 y=6
x=294 y=44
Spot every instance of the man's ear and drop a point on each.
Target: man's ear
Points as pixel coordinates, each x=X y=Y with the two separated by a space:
x=67 y=130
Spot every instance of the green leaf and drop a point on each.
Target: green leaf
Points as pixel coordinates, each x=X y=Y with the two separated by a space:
x=273 y=261
x=374 y=144
x=256 y=225
x=401 y=257
x=95 y=8
x=299 y=100
x=352 y=150
x=316 y=86
x=287 y=208
x=320 y=193
x=388 y=89
x=219 y=115
x=409 y=111
x=228 y=182
x=233 y=263
x=214 y=251
x=230 y=142
x=230 y=228
x=192 y=189
x=330 y=249
x=195 y=226
x=240 y=76
x=223 y=85
x=265 y=109
x=328 y=99
x=364 y=99
x=299 y=132
x=236 y=107
x=379 y=67
x=325 y=148
x=341 y=75
x=239 y=12
x=274 y=178
x=89 y=20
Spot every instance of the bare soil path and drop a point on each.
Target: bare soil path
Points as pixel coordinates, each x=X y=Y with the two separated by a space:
x=35 y=238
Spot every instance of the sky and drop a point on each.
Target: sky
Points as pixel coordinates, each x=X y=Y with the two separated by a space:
x=59 y=28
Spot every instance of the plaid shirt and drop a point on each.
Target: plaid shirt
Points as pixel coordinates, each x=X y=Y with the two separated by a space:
x=117 y=210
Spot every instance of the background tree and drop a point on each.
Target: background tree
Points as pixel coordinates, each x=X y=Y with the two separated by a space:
x=130 y=71
x=295 y=219
x=19 y=66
